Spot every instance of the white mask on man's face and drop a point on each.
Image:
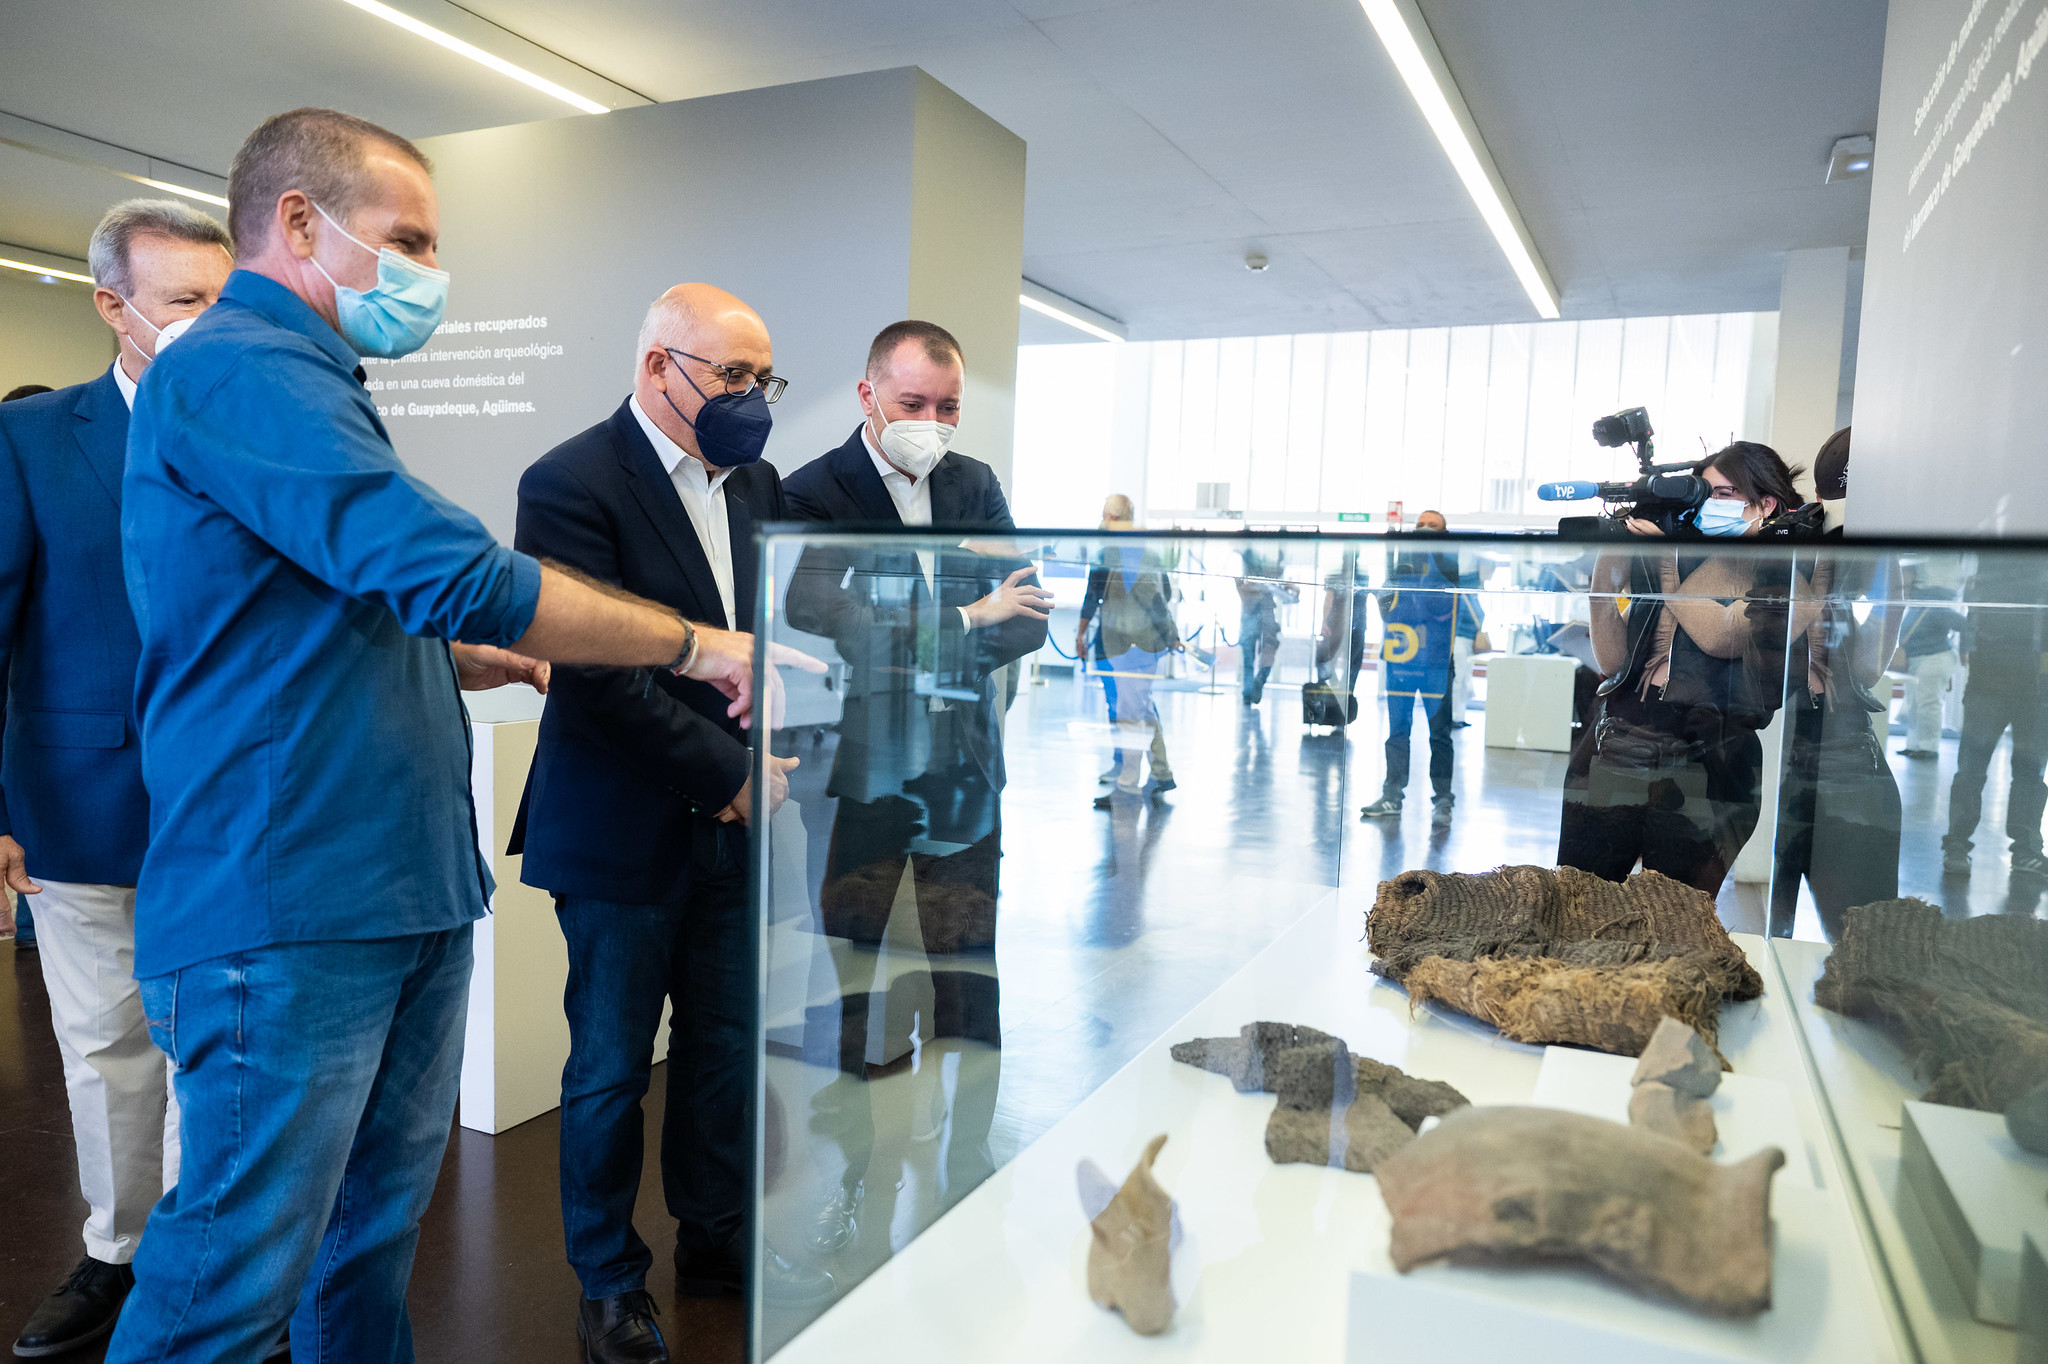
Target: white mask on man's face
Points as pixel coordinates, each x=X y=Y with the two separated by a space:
x=165 y=334
x=915 y=447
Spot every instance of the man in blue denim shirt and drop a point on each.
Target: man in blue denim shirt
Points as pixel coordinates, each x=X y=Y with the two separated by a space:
x=304 y=910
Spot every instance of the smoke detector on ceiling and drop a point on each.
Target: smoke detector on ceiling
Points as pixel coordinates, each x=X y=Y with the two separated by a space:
x=1255 y=261
x=1850 y=158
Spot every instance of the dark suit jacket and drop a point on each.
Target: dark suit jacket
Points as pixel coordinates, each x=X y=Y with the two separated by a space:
x=634 y=764
x=70 y=764
x=875 y=607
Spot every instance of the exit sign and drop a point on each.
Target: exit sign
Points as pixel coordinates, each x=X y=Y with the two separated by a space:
x=1354 y=516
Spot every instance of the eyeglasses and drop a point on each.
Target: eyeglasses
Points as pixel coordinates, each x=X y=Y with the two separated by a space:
x=738 y=380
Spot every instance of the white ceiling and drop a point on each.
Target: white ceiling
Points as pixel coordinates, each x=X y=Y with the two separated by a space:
x=1663 y=152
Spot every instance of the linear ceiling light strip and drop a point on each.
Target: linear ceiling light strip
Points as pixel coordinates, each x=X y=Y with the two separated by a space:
x=478 y=55
x=1408 y=41
x=89 y=164
x=1061 y=315
x=47 y=271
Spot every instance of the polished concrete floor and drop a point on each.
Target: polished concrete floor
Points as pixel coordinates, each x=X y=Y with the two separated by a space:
x=1113 y=924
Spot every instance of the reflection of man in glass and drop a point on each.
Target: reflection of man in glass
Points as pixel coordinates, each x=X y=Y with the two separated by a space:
x=1260 y=598
x=1129 y=591
x=918 y=774
x=1416 y=667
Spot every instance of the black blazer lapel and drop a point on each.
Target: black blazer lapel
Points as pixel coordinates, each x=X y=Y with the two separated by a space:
x=101 y=427
x=950 y=494
x=740 y=524
x=854 y=469
x=657 y=497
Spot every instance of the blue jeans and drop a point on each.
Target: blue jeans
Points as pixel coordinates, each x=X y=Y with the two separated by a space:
x=1401 y=724
x=624 y=961
x=317 y=1081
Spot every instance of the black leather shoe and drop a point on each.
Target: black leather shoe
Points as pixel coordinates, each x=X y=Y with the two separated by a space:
x=84 y=1308
x=620 y=1330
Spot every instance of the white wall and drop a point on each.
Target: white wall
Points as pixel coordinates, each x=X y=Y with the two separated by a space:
x=49 y=333
x=1464 y=419
x=1952 y=368
x=798 y=198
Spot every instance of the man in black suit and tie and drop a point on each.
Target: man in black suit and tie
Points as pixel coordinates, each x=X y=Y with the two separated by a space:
x=918 y=774
x=637 y=808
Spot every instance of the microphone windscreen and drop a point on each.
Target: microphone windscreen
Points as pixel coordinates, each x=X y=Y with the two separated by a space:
x=1572 y=490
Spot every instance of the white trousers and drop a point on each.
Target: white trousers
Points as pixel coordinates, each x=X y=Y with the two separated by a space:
x=124 y=1117
x=1461 y=681
x=1929 y=674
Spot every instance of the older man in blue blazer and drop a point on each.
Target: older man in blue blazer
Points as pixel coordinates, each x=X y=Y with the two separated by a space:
x=74 y=818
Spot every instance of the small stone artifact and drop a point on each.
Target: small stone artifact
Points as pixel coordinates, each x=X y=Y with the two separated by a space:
x=1528 y=1185
x=1560 y=955
x=1334 y=1108
x=1672 y=1082
x=1129 y=1241
x=2026 y=1119
x=1246 y=1057
x=1968 y=998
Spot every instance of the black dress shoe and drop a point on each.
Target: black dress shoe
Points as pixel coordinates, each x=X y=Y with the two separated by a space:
x=84 y=1308
x=790 y=1285
x=620 y=1330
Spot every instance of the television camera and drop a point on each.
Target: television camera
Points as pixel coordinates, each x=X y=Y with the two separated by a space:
x=1666 y=495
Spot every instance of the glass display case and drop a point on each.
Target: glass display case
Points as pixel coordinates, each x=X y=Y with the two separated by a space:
x=1643 y=940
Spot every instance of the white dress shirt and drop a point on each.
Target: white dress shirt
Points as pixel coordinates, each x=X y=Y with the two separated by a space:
x=127 y=386
x=703 y=497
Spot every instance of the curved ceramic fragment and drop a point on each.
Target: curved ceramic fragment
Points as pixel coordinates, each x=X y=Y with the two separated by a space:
x=1525 y=1185
x=1128 y=1250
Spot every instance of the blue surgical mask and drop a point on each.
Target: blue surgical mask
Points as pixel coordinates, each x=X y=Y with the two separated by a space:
x=397 y=314
x=1722 y=516
x=732 y=428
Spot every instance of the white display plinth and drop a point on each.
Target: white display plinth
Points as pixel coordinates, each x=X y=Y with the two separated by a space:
x=1865 y=1081
x=518 y=1036
x=1751 y=1112
x=1529 y=701
x=1003 y=1275
x=1980 y=1191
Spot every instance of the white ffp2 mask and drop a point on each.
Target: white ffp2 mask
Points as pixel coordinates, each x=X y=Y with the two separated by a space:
x=915 y=447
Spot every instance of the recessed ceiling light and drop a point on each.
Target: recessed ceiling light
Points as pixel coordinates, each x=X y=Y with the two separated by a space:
x=1850 y=157
x=477 y=55
x=50 y=274
x=1408 y=41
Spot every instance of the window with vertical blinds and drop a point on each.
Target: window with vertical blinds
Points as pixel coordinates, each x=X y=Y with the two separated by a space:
x=1466 y=419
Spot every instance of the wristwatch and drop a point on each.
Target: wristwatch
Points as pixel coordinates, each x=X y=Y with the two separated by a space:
x=689 y=653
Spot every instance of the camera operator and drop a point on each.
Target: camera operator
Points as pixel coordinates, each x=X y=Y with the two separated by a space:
x=1671 y=770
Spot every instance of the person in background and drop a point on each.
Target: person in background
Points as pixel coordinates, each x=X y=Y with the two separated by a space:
x=1839 y=818
x=2005 y=647
x=307 y=611
x=74 y=817
x=1117 y=514
x=1260 y=595
x=1927 y=642
x=1416 y=662
x=636 y=815
x=1131 y=594
x=20 y=391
